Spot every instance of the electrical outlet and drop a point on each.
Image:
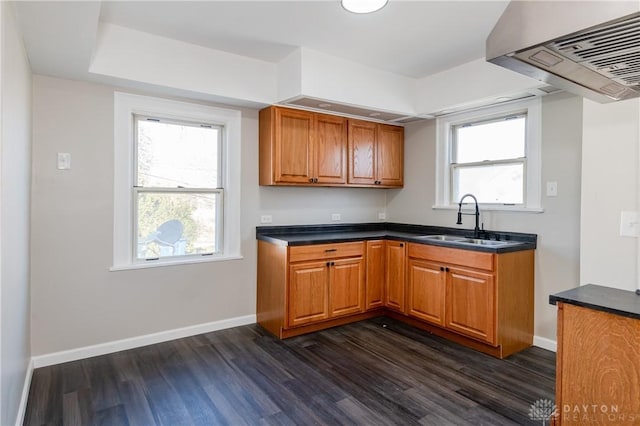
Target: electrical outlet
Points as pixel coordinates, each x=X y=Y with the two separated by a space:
x=552 y=189
x=335 y=216
x=266 y=218
x=382 y=215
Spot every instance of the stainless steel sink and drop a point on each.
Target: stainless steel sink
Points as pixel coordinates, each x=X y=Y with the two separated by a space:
x=488 y=243
x=456 y=239
x=448 y=238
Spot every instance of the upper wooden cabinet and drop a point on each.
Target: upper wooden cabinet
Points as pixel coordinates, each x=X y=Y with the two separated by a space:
x=376 y=154
x=306 y=148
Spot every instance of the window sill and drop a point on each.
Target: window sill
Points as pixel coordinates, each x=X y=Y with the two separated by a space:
x=490 y=208
x=159 y=264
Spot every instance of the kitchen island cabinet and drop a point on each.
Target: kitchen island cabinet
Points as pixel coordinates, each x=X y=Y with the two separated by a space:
x=598 y=356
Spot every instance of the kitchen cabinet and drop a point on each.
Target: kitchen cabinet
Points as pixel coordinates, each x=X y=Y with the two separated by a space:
x=302 y=147
x=426 y=288
x=308 y=292
x=395 y=275
x=474 y=295
x=483 y=300
x=598 y=359
x=470 y=303
x=376 y=154
x=376 y=270
x=306 y=148
x=309 y=286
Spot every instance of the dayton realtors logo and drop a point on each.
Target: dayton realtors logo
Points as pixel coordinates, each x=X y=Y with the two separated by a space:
x=543 y=410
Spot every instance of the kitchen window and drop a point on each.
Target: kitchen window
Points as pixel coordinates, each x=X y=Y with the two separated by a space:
x=176 y=186
x=178 y=190
x=492 y=153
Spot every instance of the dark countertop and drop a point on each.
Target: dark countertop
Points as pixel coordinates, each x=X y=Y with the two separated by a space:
x=298 y=235
x=612 y=300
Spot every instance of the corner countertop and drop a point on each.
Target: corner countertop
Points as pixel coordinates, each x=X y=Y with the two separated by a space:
x=299 y=235
x=612 y=300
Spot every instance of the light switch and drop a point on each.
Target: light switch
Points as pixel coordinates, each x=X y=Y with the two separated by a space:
x=629 y=224
x=552 y=189
x=64 y=161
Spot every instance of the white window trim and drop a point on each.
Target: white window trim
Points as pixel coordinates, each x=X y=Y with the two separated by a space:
x=533 y=193
x=125 y=105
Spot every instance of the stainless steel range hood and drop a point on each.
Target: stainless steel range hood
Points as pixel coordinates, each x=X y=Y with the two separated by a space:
x=590 y=48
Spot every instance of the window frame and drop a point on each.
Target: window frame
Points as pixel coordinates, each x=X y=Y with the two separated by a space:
x=126 y=108
x=532 y=161
x=137 y=190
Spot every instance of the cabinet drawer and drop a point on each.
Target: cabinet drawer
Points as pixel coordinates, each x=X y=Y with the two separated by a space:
x=325 y=251
x=469 y=258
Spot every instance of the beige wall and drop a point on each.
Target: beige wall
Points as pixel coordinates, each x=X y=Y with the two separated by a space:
x=558 y=228
x=609 y=186
x=76 y=301
x=15 y=180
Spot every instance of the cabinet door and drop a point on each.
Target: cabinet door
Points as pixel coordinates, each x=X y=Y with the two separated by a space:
x=427 y=283
x=346 y=286
x=294 y=150
x=331 y=149
x=308 y=295
x=390 y=151
x=395 y=275
x=375 y=279
x=362 y=152
x=471 y=304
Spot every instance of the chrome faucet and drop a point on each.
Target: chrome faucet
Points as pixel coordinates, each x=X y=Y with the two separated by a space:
x=476 y=230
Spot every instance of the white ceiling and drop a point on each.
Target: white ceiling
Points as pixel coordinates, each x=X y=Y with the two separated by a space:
x=409 y=38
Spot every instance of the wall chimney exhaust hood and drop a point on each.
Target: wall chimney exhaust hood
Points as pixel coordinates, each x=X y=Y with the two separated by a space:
x=590 y=48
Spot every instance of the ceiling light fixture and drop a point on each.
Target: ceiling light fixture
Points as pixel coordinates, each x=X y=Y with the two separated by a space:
x=363 y=6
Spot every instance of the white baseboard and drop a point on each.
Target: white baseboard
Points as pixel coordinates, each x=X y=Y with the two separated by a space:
x=544 y=343
x=136 y=342
x=22 y=408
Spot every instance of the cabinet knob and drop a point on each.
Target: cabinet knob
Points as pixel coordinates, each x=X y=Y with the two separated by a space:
x=446 y=269
x=442 y=268
x=333 y=263
x=310 y=180
x=328 y=263
x=401 y=244
x=315 y=180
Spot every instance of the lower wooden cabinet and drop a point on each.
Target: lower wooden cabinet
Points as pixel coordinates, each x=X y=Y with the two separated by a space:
x=482 y=296
x=394 y=277
x=308 y=292
x=470 y=307
x=376 y=270
x=480 y=299
x=426 y=284
x=346 y=286
x=597 y=367
x=305 y=286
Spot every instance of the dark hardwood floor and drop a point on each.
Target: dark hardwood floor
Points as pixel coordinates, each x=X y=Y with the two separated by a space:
x=375 y=372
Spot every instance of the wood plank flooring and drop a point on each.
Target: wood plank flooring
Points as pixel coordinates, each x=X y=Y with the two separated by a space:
x=374 y=372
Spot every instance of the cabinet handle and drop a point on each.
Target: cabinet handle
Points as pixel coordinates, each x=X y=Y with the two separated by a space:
x=330 y=250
